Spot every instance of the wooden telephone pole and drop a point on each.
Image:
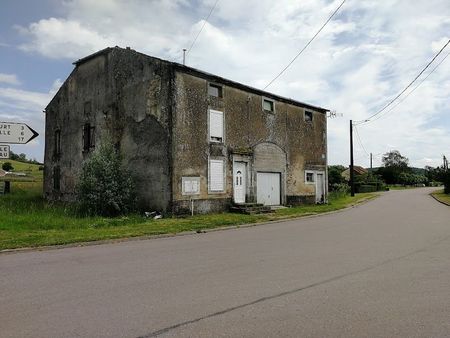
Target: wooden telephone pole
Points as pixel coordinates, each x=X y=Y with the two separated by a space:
x=352 y=173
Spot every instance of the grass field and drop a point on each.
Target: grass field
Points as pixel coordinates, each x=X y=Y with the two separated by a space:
x=441 y=196
x=31 y=170
x=26 y=220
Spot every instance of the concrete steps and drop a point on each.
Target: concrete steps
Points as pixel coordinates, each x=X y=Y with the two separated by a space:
x=250 y=208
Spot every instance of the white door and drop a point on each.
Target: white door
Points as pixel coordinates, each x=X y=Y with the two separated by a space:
x=239 y=182
x=320 y=188
x=268 y=190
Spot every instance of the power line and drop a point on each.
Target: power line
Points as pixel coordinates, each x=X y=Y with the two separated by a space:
x=360 y=142
x=406 y=88
x=306 y=46
x=417 y=86
x=203 y=26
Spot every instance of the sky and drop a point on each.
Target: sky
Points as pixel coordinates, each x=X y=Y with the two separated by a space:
x=368 y=53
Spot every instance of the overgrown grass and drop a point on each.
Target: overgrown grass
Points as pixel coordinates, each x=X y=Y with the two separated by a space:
x=441 y=196
x=26 y=220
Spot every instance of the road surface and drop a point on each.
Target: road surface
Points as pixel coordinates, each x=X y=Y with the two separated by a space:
x=381 y=269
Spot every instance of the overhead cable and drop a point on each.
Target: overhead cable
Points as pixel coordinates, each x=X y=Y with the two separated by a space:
x=405 y=97
x=306 y=46
x=203 y=26
x=406 y=88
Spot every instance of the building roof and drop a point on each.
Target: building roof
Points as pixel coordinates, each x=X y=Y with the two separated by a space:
x=356 y=169
x=212 y=77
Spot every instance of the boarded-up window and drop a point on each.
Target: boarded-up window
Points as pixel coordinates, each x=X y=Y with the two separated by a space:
x=215 y=125
x=216 y=175
x=88 y=137
x=56 y=178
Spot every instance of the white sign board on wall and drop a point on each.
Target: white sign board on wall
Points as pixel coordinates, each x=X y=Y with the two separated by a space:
x=190 y=185
x=4 y=151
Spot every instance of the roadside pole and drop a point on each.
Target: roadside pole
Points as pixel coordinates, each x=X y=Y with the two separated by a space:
x=13 y=133
x=352 y=178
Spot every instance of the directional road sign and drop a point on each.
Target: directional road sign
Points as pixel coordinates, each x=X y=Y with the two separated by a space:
x=4 y=151
x=16 y=133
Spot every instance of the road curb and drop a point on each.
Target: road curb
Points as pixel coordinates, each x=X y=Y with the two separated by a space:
x=179 y=234
x=437 y=199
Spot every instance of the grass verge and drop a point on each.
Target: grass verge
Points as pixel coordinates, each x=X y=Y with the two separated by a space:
x=26 y=220
x=440 y=196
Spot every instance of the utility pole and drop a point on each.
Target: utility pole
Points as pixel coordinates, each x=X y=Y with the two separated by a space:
x=352 y=173
x=184 y=56
x=370 y=162
x=445 y=163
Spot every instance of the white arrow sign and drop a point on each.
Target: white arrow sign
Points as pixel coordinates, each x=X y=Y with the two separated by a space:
x=4 y=151
x=18 y=133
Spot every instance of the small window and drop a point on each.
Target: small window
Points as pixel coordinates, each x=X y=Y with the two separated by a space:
x=215 y=90
x=216 y=176
x=268 y=105
x=308 y=116
x=309 y=177
x=56 y=178
x=88 y=137
x=57 y=145
x=215 y=126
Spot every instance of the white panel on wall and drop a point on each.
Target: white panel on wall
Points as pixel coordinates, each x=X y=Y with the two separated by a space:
x=216 y=179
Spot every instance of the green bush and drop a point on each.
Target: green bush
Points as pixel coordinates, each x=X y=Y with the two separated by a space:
x=104 y=187
x=339 y=190
x=367 y=188
x=7 y=166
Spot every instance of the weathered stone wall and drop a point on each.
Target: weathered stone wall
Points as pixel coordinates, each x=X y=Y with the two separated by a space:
x=127 y=97
x=156 y=113
x=246 y=126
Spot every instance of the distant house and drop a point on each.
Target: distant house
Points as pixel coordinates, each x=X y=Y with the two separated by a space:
x=357 y=170
x=185 y=135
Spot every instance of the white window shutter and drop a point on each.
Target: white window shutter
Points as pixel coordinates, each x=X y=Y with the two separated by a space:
x=216 y=175
x=215 y=124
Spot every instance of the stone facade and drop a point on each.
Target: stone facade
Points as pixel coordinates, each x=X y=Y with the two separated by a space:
x=164 y=118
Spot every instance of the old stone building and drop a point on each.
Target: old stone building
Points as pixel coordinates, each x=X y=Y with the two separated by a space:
x=189 y=137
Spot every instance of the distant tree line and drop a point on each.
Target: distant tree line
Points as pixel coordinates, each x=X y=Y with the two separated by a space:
x=22 y=158
x=395 y=170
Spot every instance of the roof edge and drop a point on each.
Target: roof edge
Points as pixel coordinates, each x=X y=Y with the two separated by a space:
x=204 y=74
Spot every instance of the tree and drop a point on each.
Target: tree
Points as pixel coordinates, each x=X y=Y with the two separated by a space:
x=105 y=187
x=394 y=165
x=335 y=175
x=7 y=166
x=393 y=158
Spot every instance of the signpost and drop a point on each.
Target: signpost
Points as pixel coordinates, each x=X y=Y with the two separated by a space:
x=4 y=151
x=16 y=133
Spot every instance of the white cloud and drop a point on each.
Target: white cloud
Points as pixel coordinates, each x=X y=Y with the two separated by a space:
x=9 y=79
x=360 y=61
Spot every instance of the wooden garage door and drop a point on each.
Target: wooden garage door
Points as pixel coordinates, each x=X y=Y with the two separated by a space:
x=268 y=188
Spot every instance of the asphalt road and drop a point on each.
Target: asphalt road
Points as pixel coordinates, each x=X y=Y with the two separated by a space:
x=381 y=269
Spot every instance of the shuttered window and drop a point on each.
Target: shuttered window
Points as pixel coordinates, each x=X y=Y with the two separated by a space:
x=215 y=125
x=216 y=179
